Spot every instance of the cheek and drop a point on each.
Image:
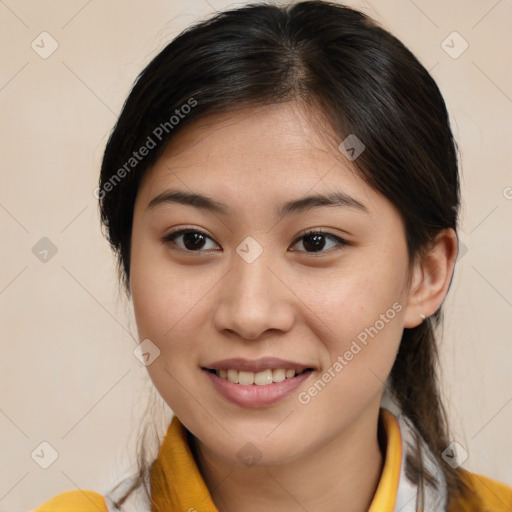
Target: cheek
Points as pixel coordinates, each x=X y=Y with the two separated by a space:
x=359 y=318
x=164 y=312
x=359 y=360
x=347 y=302
x=163 y=295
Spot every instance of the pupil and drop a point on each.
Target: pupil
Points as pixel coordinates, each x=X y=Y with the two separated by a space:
x=193 y=240
x=318 y=242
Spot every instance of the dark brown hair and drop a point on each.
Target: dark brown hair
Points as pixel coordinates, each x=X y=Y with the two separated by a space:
x=361 y=79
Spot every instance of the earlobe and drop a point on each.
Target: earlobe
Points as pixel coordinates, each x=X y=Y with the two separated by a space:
x=431 y=279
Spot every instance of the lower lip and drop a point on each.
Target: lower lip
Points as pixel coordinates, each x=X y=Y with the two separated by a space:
x=256 y=396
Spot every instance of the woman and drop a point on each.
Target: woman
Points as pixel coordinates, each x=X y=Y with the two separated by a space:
x=281 y=190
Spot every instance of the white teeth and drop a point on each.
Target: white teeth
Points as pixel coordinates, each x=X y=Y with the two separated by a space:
x=278 y=375
x=245 y=378
x=262 y=378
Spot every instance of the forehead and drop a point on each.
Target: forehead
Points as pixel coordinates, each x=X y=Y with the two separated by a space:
x=273 y=152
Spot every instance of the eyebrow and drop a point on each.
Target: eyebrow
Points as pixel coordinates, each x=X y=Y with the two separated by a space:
x=339 y=199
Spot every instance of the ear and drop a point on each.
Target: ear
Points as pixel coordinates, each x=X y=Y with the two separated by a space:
x=431 y=277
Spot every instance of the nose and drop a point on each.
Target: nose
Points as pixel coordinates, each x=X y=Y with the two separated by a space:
x=253 y=300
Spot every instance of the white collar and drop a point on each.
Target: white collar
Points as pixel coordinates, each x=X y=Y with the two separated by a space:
x=409 y=497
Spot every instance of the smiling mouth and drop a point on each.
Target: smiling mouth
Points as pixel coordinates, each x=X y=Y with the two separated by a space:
x=263 y=378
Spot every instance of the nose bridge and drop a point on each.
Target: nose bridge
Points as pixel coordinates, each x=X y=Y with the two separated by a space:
x=253 y=300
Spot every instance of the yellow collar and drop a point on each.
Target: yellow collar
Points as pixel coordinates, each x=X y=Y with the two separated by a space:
x=178 y=486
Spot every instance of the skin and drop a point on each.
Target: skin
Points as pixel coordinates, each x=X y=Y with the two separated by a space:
x=210 y=304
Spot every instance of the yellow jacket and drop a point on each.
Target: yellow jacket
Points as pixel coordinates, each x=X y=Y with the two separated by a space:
x=176 y=464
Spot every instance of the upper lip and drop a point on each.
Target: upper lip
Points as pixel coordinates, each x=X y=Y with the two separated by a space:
x=256 y=365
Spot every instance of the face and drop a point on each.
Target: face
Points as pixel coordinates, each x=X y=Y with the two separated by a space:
x=255 y=278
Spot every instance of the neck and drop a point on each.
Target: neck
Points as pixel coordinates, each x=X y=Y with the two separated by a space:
x=343 y=474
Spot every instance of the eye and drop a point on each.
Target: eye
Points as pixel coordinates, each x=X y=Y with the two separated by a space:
x=315 y=241
x=189 y=240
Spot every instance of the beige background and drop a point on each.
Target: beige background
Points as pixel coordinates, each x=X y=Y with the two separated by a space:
x=68 y=373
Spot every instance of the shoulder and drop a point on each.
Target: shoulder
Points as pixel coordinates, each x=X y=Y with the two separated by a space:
x=494 y=496
x=74 y=501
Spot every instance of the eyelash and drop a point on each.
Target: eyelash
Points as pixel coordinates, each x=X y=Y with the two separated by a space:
x=170 y=237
